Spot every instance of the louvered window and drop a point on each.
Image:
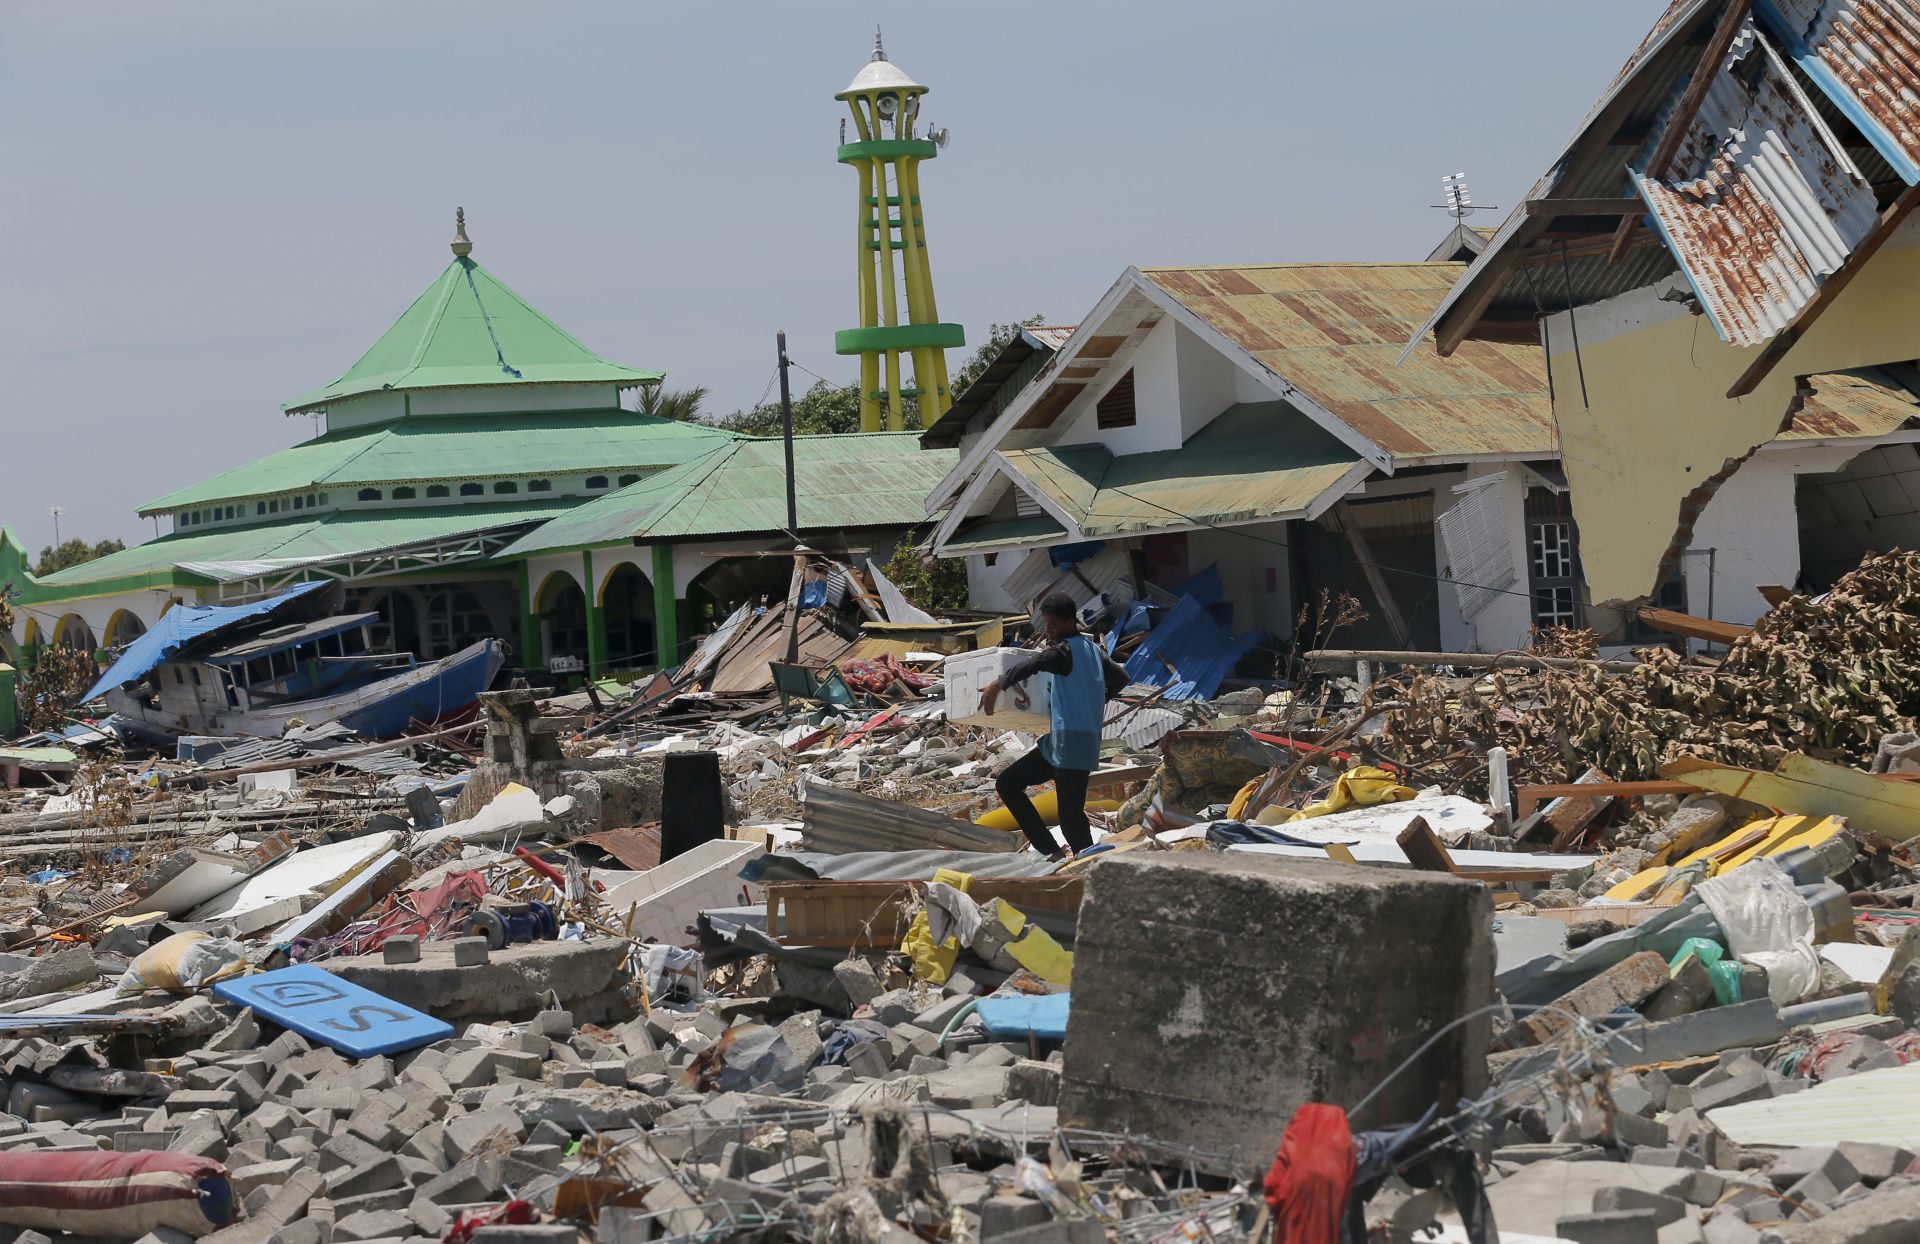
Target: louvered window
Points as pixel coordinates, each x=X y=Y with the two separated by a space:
x=1115 y=409
x=1024 y=505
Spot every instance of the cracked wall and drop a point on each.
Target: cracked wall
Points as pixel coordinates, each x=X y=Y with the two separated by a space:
x=1655 y=435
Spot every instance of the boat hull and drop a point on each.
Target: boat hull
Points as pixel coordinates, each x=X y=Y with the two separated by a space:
x=376 y=710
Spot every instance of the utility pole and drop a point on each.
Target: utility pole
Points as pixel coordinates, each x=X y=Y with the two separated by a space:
x=793 y=514
x=786 y=429
x=55 y=511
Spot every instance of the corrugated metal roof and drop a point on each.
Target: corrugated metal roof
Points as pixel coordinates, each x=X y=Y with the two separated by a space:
x=840 y=821
x=846 y=481
x=1257 y=461
x=1852 y=405
x=321 y=538
x=1333 y=331
x=1762 y=204
x=454 y=447
x=469 y=329
x=1865 y=55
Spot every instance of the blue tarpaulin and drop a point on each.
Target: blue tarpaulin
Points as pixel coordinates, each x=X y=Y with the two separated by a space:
x=322 y=1007
x=1201 y=651
x=1044 y=1016
x=180 y=626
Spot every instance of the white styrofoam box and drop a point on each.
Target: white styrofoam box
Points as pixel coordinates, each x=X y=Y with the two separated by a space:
x=968 y=673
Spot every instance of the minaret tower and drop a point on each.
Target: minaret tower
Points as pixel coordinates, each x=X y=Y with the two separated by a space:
x=892 y=250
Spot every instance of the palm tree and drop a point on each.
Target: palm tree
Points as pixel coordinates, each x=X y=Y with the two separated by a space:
x=681 y=404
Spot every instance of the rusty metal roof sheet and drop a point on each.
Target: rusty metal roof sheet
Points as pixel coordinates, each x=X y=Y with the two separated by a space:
x=1333 y=330
x=1865 y=56
x=1763 y=204
x=1850 y=405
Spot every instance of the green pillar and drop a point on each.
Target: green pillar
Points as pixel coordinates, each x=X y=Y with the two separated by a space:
x=529 y=622
x=9 y=712
x=596 y=621
x=666 y=610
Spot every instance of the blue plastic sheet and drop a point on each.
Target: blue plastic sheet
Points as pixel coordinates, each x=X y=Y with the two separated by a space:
x=1064 y=555
x=180 y=626
x=1023 y=1015
x=1201 y=651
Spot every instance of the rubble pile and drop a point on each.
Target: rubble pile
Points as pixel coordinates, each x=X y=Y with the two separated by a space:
x=1826 y=676
x=749 y=950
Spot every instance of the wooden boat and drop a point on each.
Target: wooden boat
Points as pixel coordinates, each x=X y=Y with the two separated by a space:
x=253 y=672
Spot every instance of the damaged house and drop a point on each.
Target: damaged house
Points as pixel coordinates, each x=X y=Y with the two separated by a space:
x=1247 y=423
x=1723 y=279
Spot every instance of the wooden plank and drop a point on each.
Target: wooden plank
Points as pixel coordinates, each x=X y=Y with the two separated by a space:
x=1889 y=810
x=1585 y=207
x=1338 y=851
x=1424 y=849
x=1704 y=72
x=1775 y=594
x=1531 y=797
x=1673 y=622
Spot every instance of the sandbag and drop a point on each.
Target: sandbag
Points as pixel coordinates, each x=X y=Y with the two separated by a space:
x=119 y=1196
x=184 y=962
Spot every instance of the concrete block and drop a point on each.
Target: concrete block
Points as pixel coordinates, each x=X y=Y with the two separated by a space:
x=376 y=1176
x=404 y=948
x=1728 y=1227
x=1649 y=1155
x=373 y=1225
x=469 y=952
x=1794 y=1165
x=515 y=1065
x=868 y=1060
x=1665 y=1209
x=1745 y=1024
x=936 y=1017
x=532 y=1233
x=896 y=1006
x=1170 y=1038
x=858 y=978
x=1002 y=1214
x=553 y=1025
x=1748 y=1086
x=1626 y=984
x=468 y=1069
x=1627 y=1226
x=1875 y=1164
x=612 y=1071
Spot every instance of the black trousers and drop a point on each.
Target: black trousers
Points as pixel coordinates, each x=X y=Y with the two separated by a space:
x=1031 y=770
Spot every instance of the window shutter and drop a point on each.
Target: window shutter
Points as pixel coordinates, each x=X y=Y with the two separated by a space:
x=1115 y=408
x=1474 y=533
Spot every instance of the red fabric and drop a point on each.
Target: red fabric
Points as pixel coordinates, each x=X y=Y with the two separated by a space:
x=1312 y=1176
x=514 y=1213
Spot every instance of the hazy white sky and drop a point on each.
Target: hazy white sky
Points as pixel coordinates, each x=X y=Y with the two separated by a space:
x=212 y=208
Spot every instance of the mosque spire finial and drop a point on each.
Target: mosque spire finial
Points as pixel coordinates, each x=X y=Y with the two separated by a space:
x=879 y=49
x=461 y=246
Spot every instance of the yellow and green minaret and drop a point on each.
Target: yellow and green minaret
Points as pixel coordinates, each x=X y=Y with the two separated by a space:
x=892 y=250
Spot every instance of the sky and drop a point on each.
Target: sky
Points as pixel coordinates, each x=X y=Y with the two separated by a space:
x=210 y=209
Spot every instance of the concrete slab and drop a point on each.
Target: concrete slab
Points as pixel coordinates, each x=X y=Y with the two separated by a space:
x=1213 y=994
x=513 y=983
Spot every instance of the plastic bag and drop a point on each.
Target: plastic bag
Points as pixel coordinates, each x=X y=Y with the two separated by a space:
x=1362 y=786
x=1723 y=972
x=1768 y=924
x=183 y=963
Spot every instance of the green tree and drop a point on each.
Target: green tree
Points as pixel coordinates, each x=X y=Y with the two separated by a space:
x=73 y=553
x=682 y=404
x=998 y=335
x=824 y=408
x=936 y=584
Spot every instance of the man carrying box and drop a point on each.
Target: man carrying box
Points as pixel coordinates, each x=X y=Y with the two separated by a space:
x=1084 y=678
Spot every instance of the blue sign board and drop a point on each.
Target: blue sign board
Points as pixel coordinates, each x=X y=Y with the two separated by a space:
x=321 y=1007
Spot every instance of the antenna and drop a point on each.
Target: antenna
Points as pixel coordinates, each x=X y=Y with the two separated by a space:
x=1459 y=200
x=54 y=512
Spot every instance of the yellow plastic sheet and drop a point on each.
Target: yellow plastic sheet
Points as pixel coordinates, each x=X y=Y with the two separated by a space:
x=1663 y=884
x=1360 y=787
x=934 y=962
x=1034 y=949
